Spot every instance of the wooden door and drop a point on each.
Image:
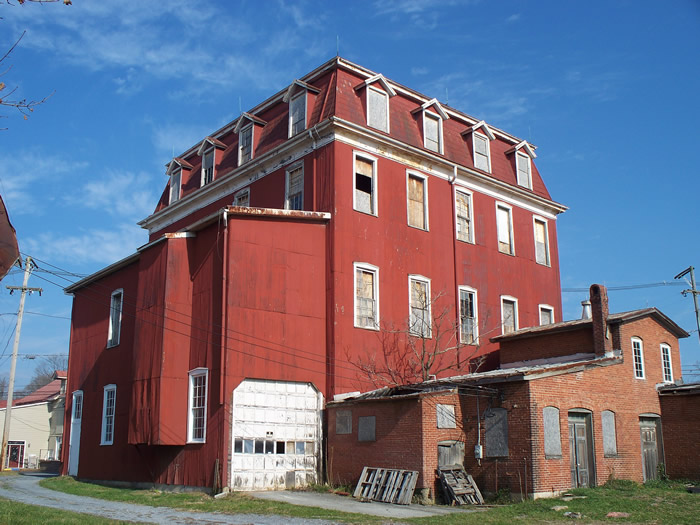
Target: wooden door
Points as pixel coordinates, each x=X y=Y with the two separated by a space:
x=650 y=449
x=581 y=451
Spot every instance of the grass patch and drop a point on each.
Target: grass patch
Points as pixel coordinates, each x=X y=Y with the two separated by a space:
x=22 y=514
x=664 y=502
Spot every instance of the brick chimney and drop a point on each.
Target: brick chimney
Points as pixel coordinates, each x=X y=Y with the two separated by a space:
x=602 y=343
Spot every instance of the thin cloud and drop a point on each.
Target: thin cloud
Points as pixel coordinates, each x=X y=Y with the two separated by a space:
x=121 y=194
x=513 y=18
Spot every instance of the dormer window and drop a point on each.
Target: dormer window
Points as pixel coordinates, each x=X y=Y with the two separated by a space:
x=208 y=167
x=482 y=152
x=297 y=114
x=432 y=125
x=245 y=144
x=177 y=170
x=377 y=109
x=175 y=183
x=523 y=163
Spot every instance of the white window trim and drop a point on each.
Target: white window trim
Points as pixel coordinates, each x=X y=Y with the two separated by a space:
x=111 y=340
x=241 y=193
x=375 y=271
x=516 y=322
x=291 y=168
x=426 y=280
x=535 y=220
x=426 y=215
x=206 y=152
x=77 y=393
x=244 y=129
x=469 y=289
x=375 y=201
x=302 y=93
x=470 y=194
x=641 y=358
x=666 y=347
x=488 y=148
x=197 y=372
x=509 y=208
x=175 y=195
x=388 y=115
x=429 y=114
x=103 y=437
x=529 y=169
x=548 y=307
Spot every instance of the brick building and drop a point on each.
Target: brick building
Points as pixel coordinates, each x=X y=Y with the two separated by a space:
x=572 y=404
x=680 y=409
x=284 y=248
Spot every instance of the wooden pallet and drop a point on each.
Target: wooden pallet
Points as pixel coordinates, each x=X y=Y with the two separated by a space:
x=386 y=485
x=459 y=487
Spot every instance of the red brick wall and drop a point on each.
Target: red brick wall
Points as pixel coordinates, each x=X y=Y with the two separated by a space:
x=681 y=427
x=579 y=341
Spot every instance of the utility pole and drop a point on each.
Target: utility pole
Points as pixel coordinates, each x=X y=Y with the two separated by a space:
x=693 y=291
x=10 y=389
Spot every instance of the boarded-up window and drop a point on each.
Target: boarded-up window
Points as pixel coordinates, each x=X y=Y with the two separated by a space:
x=295 y=189
x=609 y=436
x=343 y=422
x=546 y=315
x=505 y=229
x=446 y=416
x=377 y=109
x=467 y=316
x=431 y=127
x=509 y=311
x=541 y=242
x=419 y=315
x=524 y=178
x=366 y=428
x=450 y=453
x=495 y=432
x=552 y=432
x=416 y=202
x=481 y=152
x=463 y=205
x=364 y=185
x=245 y=143
x=366 y=297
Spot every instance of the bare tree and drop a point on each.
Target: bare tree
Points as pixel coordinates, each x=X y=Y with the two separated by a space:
x=44 y=371
x=428 y=344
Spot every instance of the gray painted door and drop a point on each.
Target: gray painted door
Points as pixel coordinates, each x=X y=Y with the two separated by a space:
x=581 y=451
x=650 y=448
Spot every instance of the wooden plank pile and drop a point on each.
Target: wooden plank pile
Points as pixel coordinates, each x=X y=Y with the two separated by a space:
x=386 y=485
x=459 y=487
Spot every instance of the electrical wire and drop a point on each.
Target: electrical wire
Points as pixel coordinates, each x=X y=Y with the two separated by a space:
x=629 y=286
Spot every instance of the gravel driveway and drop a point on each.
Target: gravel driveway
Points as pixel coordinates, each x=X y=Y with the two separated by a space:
x=26 y=489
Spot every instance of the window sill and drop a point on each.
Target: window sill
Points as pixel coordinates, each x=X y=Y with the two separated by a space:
x=553 y=457
x=548 y=265
x=418 y=228
x=465 y=242
x=102 y=444
x=113 y=345
x=366 y=212
x=198 y=442
x=511 y=253
x=371 y=328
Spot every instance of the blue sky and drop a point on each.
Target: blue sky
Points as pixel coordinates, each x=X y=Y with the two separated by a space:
x=606 y=90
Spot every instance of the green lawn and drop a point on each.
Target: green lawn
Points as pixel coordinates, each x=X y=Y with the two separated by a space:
x=21 y=514
x=662 y=502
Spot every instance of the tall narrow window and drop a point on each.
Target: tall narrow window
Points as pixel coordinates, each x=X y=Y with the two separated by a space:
x=109 y=404
x=524 y=174
x=417 y=201
x=366 y=296
x=175 y=182
x=208 y=166
x=295 y=189
x=541 y=242
x=365 y=199
x=467 y=316
x=377 y=109
x=638 y=358
x=297 y=114
x=463 y=208
x=509 y=314
x=115 y=317
x=245 y=144
x=197 y=414
x=432 y=130
x=504 y=223
x=546 y=314
x=482 y=152
x=666 y=363
x=419 y=315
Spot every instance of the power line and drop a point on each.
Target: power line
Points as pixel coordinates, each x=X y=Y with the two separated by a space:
x=628 y=287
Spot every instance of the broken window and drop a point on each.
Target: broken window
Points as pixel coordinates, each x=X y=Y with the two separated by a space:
x=467 y=315
x=541 y=242
x=609 y=437
x=208 y=167
x=638 y=356
x=509 y=314
x=295 y=189
x=504 y=223
x=524 y=176
x=419 y=314
x=482 y=152
x=417 y=202
x=365 y=198
x=552 y=432
x=366 y=427
x=242 y=198
x=343 y=422
x=463 y=207
x=495 y=432
x=377 y=109
x=366 y=296
x=666 y=363
x=445 y=415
